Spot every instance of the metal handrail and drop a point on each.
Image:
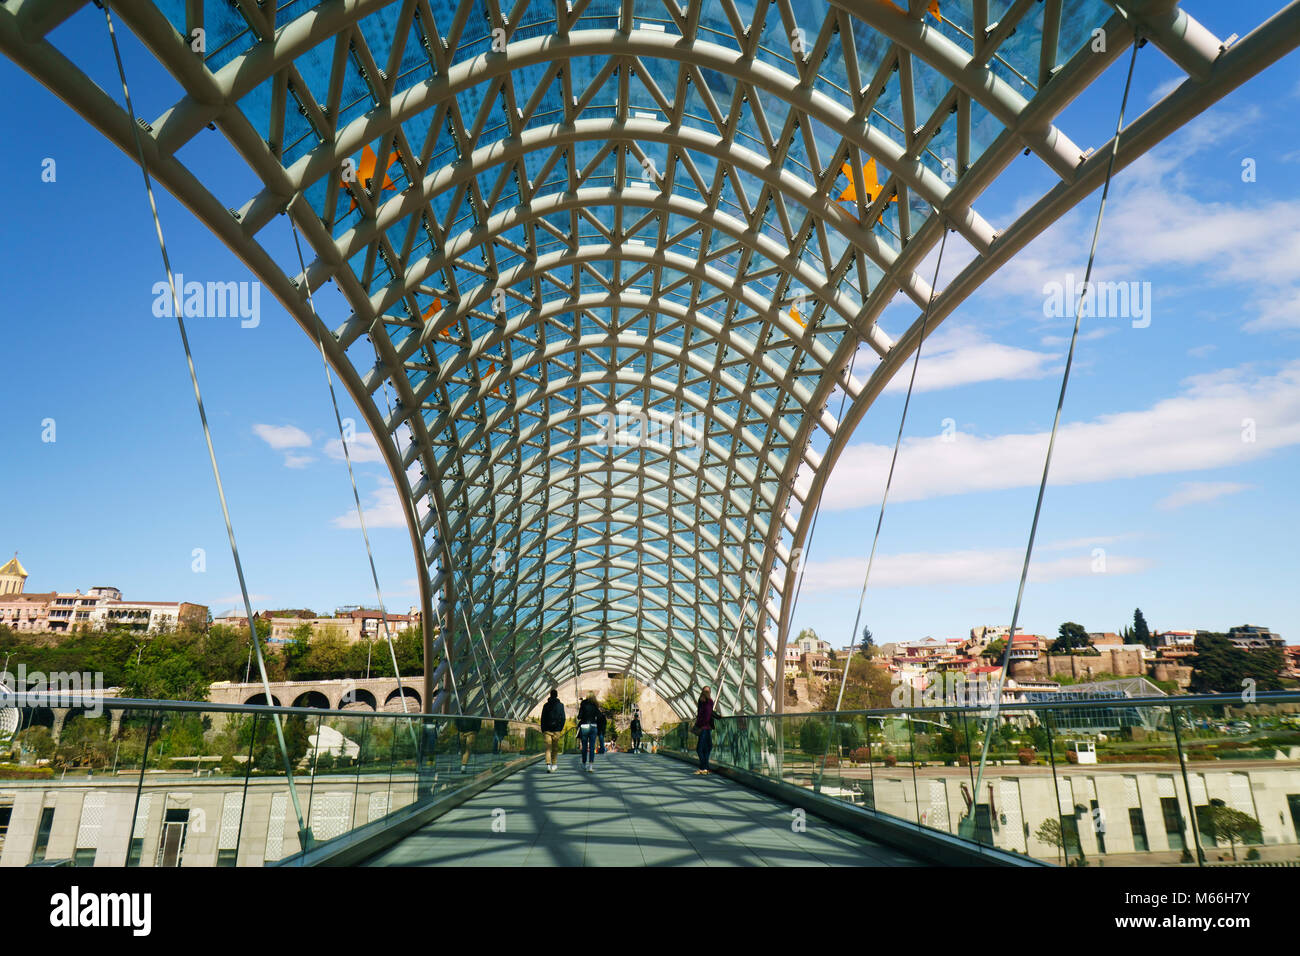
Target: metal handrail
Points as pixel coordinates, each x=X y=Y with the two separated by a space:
x=1182 y=700
x=55 y=699
x=130 y=703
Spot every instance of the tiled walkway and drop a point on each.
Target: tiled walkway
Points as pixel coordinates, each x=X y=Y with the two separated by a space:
x=635 y=810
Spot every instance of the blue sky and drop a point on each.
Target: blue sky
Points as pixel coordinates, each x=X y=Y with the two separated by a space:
x=1196 y=525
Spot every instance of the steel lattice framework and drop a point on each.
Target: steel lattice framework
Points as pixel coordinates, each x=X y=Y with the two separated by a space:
x=543 y=212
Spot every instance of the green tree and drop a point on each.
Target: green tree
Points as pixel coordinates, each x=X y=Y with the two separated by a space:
x=295 y=652
x=813 y=736
x=1141 y=634
x=1233 y=826
x=867 y=686
x=1072 y=635
x=328 y=655
x=167 y=667
x=224 y=652
x=1049 y=832
x=39 y=741
x=1219 y=667
x=868 y=642
x=995 y=649
x=623 y=695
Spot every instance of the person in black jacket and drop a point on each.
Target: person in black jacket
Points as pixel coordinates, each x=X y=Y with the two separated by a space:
x=636 y=732
x=553 y=730
x=589 y=720
x=601 y=723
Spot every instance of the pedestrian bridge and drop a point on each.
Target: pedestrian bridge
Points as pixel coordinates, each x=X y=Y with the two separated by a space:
x=634 y=810
x=1181 y=781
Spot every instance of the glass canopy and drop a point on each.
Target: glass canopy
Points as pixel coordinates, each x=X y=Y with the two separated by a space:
x=611 y=264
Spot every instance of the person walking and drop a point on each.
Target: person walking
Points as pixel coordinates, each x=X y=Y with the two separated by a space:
x=705 y=714
x=467 y=728
x=601 y=722
x=589 y=718
x=636 y=732
x=553 y=730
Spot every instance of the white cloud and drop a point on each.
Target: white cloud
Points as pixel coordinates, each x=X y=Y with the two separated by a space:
x=1195 y=492
x=1165 y=88
x=383 y=511
x=1094 y=541
x=955 y=568
x=1205 y=426
x=1201 y=351
x=1276 y=312
x=362 y=448
x=963 y=356
x=1061 y=341
x=298 y=461
x=281 y=437
x=1164 y=214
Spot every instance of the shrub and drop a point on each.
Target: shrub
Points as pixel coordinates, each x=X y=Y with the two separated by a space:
x=1027 y=756
x=1071 y=756
x=813 y=737
x=891 y=760
x=15 y=772
x=862 y=755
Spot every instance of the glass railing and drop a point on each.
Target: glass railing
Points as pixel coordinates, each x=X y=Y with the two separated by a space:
x=1186 y=781
x=117 y=782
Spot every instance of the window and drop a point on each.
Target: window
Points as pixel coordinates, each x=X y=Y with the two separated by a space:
x=1173 y=823
x=1139 y=827
x=85 y=856
x=172 y=845
x=1205 y=824
x=6 y=811
x=43 y=835
x=1070 y=836
x=226 y=858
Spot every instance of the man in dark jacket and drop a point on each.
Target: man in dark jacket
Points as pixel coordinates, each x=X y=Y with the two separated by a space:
x=601 y=722
x=636 y=732
x=553 y=730
x=589 y=721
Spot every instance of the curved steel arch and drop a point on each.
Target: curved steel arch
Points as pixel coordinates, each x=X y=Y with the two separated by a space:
x=872 y=89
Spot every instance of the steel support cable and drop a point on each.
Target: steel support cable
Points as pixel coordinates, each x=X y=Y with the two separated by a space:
x=884 y=500
x=347 y=459
x=446 y=618
x=723 y=660
x=304 y=834
x=817 y=509
x=469 y=631
x=351 y=475
x=968 y=826
x=812 y=528
x=443 y=533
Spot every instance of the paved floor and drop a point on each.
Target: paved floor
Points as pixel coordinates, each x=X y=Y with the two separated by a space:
x=635 y=810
